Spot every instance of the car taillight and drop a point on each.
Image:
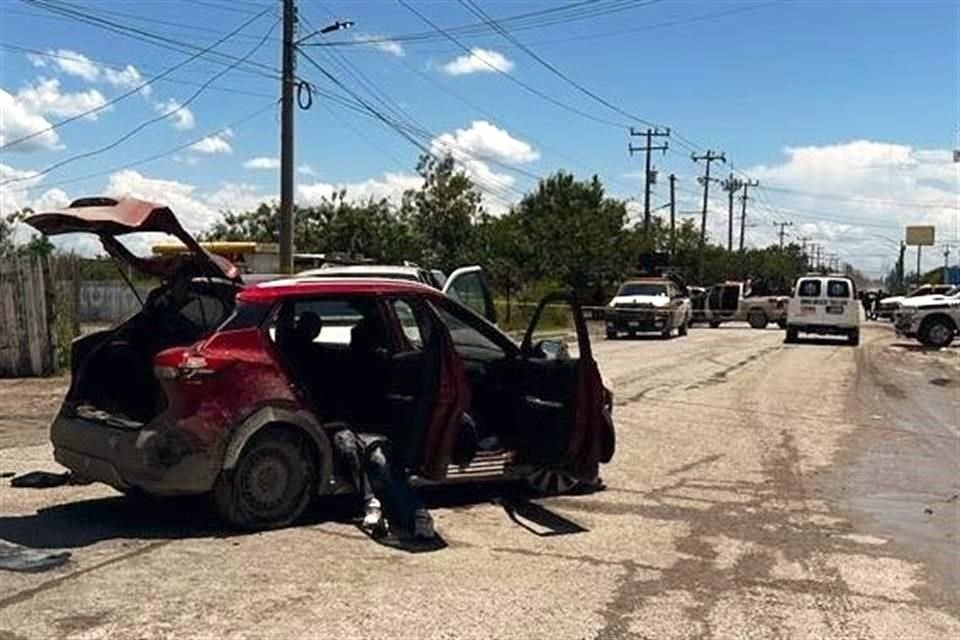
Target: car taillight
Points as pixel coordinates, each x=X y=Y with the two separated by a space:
x=180 y=362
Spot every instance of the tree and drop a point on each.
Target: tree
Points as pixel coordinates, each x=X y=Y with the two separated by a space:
x=38 y=245
x=504 y=251
x=575 y=232
x=441 y=212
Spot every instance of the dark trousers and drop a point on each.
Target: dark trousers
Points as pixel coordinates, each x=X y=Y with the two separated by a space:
x=376 y=474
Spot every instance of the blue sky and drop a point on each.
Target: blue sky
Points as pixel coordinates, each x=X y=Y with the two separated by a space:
x=854 y=104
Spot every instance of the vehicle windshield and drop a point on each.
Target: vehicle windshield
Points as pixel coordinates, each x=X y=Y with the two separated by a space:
x=642 y=289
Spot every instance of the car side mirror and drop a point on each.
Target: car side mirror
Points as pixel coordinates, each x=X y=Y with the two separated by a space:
x=551 y=349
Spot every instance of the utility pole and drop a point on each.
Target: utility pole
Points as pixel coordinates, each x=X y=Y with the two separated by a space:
x=819 y=251
x=709 y=157
x=731 y=185
x=743 y=212
x=783 y=226
x=946 y=264
x=901 y=268
x=918 y=264
x=648 y=175
x=673 y=216
x=803 y=250
x=286 y=136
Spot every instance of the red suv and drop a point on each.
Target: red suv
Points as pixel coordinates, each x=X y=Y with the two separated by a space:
x=215 y=388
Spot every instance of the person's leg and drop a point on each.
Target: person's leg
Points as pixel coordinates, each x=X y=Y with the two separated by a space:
x=348 y=448
x=403 y=506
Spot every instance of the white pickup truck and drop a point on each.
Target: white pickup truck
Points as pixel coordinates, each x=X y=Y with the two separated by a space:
x=934 y=320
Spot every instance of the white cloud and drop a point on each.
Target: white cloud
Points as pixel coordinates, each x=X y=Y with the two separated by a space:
x=214 y=145
x=262 y=163
x=306 y=170
x=380 y=43
x=45 y=98
x=16 y=121
x=390 y=186
x=485 y=141
x=855 y=198
x=180 y=116
x=478 y=61
x=76 y=64
x=232 y=196
x=193 y=212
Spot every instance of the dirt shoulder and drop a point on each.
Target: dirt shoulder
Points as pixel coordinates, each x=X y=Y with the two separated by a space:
x=27 y=405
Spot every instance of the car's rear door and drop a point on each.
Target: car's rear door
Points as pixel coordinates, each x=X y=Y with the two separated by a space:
x=427 y=389
x=561 y=415
x=469 y=287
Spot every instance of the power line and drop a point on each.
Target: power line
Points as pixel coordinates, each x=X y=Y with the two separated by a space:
x=157 y=156
x=477 y=11
x=142 y=35
x=862 y=199
x=147 y=123
x=118 y=67
x=515 y=80
x=136 y=89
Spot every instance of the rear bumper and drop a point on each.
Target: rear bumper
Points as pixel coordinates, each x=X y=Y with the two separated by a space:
x=150 y=458
x=824 y=329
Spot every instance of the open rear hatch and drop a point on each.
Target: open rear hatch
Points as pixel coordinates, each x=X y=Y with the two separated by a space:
x=112 y=371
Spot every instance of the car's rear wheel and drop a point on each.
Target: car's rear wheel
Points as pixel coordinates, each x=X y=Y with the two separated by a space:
x=791 y=335
x=782 y=323
x=854 y=338
x=936 y=332
x=757 y=319
x=271 y=485
x=553 y=482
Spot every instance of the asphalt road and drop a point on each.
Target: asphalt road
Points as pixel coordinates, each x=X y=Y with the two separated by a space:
x=760 y=490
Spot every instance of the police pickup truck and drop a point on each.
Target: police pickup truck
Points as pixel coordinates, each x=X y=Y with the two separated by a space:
x=933 y=319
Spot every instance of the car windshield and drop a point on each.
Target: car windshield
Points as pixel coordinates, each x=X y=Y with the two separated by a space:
x=642 y=289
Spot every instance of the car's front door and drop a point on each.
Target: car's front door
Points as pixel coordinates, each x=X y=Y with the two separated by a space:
x=469 y=287
x=562 y=420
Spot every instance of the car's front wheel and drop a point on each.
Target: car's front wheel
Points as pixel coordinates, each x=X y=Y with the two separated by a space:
x=936 y=332
x=271 y=485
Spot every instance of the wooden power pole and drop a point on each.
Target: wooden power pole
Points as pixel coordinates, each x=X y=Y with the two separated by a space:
x=648 y=175
x=709 y=157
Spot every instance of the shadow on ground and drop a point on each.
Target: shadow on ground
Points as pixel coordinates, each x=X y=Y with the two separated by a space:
x=79 y=524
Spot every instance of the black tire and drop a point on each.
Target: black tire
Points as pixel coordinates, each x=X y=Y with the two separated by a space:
x=682 y=329
x=271 y=485
x=854 y=338
x=553 y=482
x=757 y=319
x=714 y=324
x=936 y=332
x=782 y=323
x=791 y=336
x=611 y=335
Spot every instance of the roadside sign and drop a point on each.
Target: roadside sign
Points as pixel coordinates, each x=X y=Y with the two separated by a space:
x=921 y=236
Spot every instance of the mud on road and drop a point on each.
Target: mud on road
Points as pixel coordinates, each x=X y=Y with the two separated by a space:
x=759 y=490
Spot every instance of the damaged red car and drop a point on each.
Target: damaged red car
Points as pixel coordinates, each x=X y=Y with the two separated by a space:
x=215 y=388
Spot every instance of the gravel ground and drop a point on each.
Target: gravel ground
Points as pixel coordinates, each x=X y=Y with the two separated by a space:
x=759 y=490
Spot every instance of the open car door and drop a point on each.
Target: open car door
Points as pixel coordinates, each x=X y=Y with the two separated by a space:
x=562 y=420
x=469 y=287
x=428 y=390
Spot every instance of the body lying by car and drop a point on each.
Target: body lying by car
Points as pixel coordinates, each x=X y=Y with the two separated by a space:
x=934 y=320
x=203 y=391
x=648 y=305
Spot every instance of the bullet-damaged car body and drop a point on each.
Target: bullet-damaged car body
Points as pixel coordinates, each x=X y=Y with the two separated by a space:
x=216 y=389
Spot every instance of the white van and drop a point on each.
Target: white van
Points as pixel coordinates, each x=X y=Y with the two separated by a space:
x=824 y=305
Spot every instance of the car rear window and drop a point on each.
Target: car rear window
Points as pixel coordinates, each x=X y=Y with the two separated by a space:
x=838 y=289
x=808 y=288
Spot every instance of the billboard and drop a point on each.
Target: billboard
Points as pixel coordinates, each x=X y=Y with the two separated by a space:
x=920 y=236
